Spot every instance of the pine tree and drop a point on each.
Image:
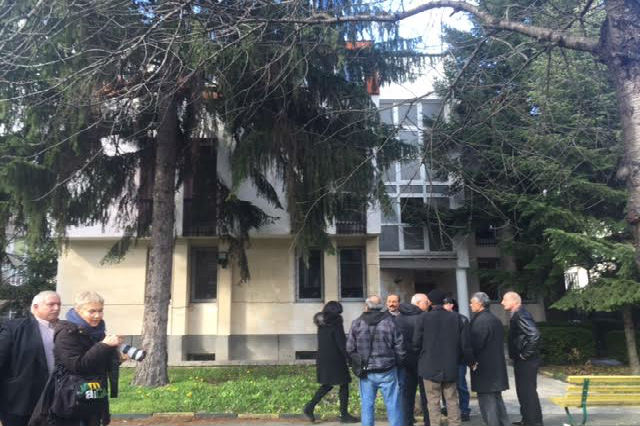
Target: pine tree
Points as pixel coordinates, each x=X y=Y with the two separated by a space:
x=109 y=88
x=538 y=138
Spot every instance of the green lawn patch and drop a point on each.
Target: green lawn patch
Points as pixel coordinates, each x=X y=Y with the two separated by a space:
x=256 y=390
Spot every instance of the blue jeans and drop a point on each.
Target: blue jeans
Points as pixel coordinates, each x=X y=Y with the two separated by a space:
x=463 y=390
x=387 y=382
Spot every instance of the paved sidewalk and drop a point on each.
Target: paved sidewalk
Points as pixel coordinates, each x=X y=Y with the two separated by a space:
x=547 y=387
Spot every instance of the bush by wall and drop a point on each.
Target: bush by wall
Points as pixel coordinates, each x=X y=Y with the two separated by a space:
x=617 y=345
x=566 y=345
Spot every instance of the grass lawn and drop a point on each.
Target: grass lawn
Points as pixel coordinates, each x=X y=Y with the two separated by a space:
x=262 y=389
x=561 y=372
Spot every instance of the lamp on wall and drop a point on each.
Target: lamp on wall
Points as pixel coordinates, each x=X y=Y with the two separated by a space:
x=223 y=259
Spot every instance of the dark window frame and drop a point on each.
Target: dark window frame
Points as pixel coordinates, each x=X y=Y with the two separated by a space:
x=299 y=297
x=364 y=273
x=193 y=274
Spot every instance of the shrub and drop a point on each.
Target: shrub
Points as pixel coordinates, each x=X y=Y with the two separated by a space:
x=617 y=345
x=566 y=345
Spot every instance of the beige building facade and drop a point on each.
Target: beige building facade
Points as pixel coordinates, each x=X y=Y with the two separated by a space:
x=214 y=316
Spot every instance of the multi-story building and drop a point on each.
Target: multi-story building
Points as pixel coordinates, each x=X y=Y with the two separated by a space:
x=213 y=315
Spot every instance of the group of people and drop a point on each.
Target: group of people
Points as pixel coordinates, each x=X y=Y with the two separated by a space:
x=39 y=352
x=428 y=345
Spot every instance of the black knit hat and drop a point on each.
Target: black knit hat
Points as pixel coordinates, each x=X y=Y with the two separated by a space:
x=436 y=296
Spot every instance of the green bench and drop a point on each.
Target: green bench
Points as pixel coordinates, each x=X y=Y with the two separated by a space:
x=583 y=391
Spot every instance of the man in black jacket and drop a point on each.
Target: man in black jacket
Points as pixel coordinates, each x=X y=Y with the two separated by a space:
x=26 y=359
x=489 y=377
x=409 y=379
x=524 y=346
x=441 y=338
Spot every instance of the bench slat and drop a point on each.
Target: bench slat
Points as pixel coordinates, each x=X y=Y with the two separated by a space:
x=594 y=380
x=576 y=401
x=604 y=388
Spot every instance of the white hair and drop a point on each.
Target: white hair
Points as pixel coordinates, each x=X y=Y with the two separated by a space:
x=482 y=298
x=417 y=297
x=374 y=303
x=87 y=297
x=43 y=296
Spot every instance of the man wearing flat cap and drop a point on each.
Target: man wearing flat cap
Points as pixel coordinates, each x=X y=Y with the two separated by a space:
x=442 y=339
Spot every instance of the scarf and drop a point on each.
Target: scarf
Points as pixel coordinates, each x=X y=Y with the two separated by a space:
x=96 y=333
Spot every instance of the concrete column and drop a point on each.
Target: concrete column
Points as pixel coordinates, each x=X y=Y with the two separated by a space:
x=331 y=287
x=179 y=301
x=462 y=291
x=373 y=267
x=223 y=300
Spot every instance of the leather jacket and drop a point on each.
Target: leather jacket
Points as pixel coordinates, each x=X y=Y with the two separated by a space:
x=524 y=337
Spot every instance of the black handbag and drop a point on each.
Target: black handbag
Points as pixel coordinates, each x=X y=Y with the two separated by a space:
x=358 y=364
x=77 y=397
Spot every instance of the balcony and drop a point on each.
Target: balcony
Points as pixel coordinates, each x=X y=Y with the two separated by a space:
x=351 y=218
x=199 y=219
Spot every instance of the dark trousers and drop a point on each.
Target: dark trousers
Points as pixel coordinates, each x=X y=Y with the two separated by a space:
x=13 y=420
x=492 y=409
x=410 y=382
x=526 y=375
x=324 y=389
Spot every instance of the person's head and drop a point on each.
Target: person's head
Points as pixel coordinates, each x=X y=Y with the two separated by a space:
x=90 y=306
x=479 y=302
x=511 y=301
x=421 y=301
x=450 y=304
x=393 y=301
x=46 y=305
x=436 y=297
x=332 y=307
x=373 y=303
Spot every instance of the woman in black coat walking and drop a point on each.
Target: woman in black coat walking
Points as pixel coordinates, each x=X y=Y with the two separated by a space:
x=331 y=363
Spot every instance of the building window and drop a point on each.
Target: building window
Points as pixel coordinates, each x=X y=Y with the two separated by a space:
x=352 y=273
x=310 y=276
x=204 y=274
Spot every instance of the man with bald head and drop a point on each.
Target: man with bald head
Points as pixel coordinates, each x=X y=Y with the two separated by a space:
x=26 y=358
x=524 y=350
x=375 y=340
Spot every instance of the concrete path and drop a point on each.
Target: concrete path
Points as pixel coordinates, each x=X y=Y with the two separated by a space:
x=547 y=387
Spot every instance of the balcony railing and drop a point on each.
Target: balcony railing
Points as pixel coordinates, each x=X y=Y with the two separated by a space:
x=201 y=223
x=199 y=220
x=351 y=219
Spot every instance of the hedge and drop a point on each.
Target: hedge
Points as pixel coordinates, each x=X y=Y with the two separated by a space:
x=617 y=345
x=566 y=345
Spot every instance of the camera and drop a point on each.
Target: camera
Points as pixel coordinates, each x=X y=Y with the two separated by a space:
x=133 y=352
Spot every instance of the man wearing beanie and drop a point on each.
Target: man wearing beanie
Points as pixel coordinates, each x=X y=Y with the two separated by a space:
x=442 y=339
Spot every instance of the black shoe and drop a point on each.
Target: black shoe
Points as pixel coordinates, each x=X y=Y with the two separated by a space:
x=443 y=411
x=465 y=417
x=308 y=412
x=348 y=418
x=519 y=423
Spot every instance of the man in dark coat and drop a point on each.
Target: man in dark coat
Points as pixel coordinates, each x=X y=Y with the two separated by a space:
x=450 y=304
x=524 y=350
x=489 y=375
x=26 y=359
x=409 y=379
x=441 y=338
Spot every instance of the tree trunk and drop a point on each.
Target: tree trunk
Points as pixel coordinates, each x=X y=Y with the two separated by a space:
x=630 y=338
x=620 y=50
x=153 y=370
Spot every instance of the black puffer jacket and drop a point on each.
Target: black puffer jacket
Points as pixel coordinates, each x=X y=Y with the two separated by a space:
x=331 y=364
x=524 y=337
x=406 y=323
x=79 y=354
